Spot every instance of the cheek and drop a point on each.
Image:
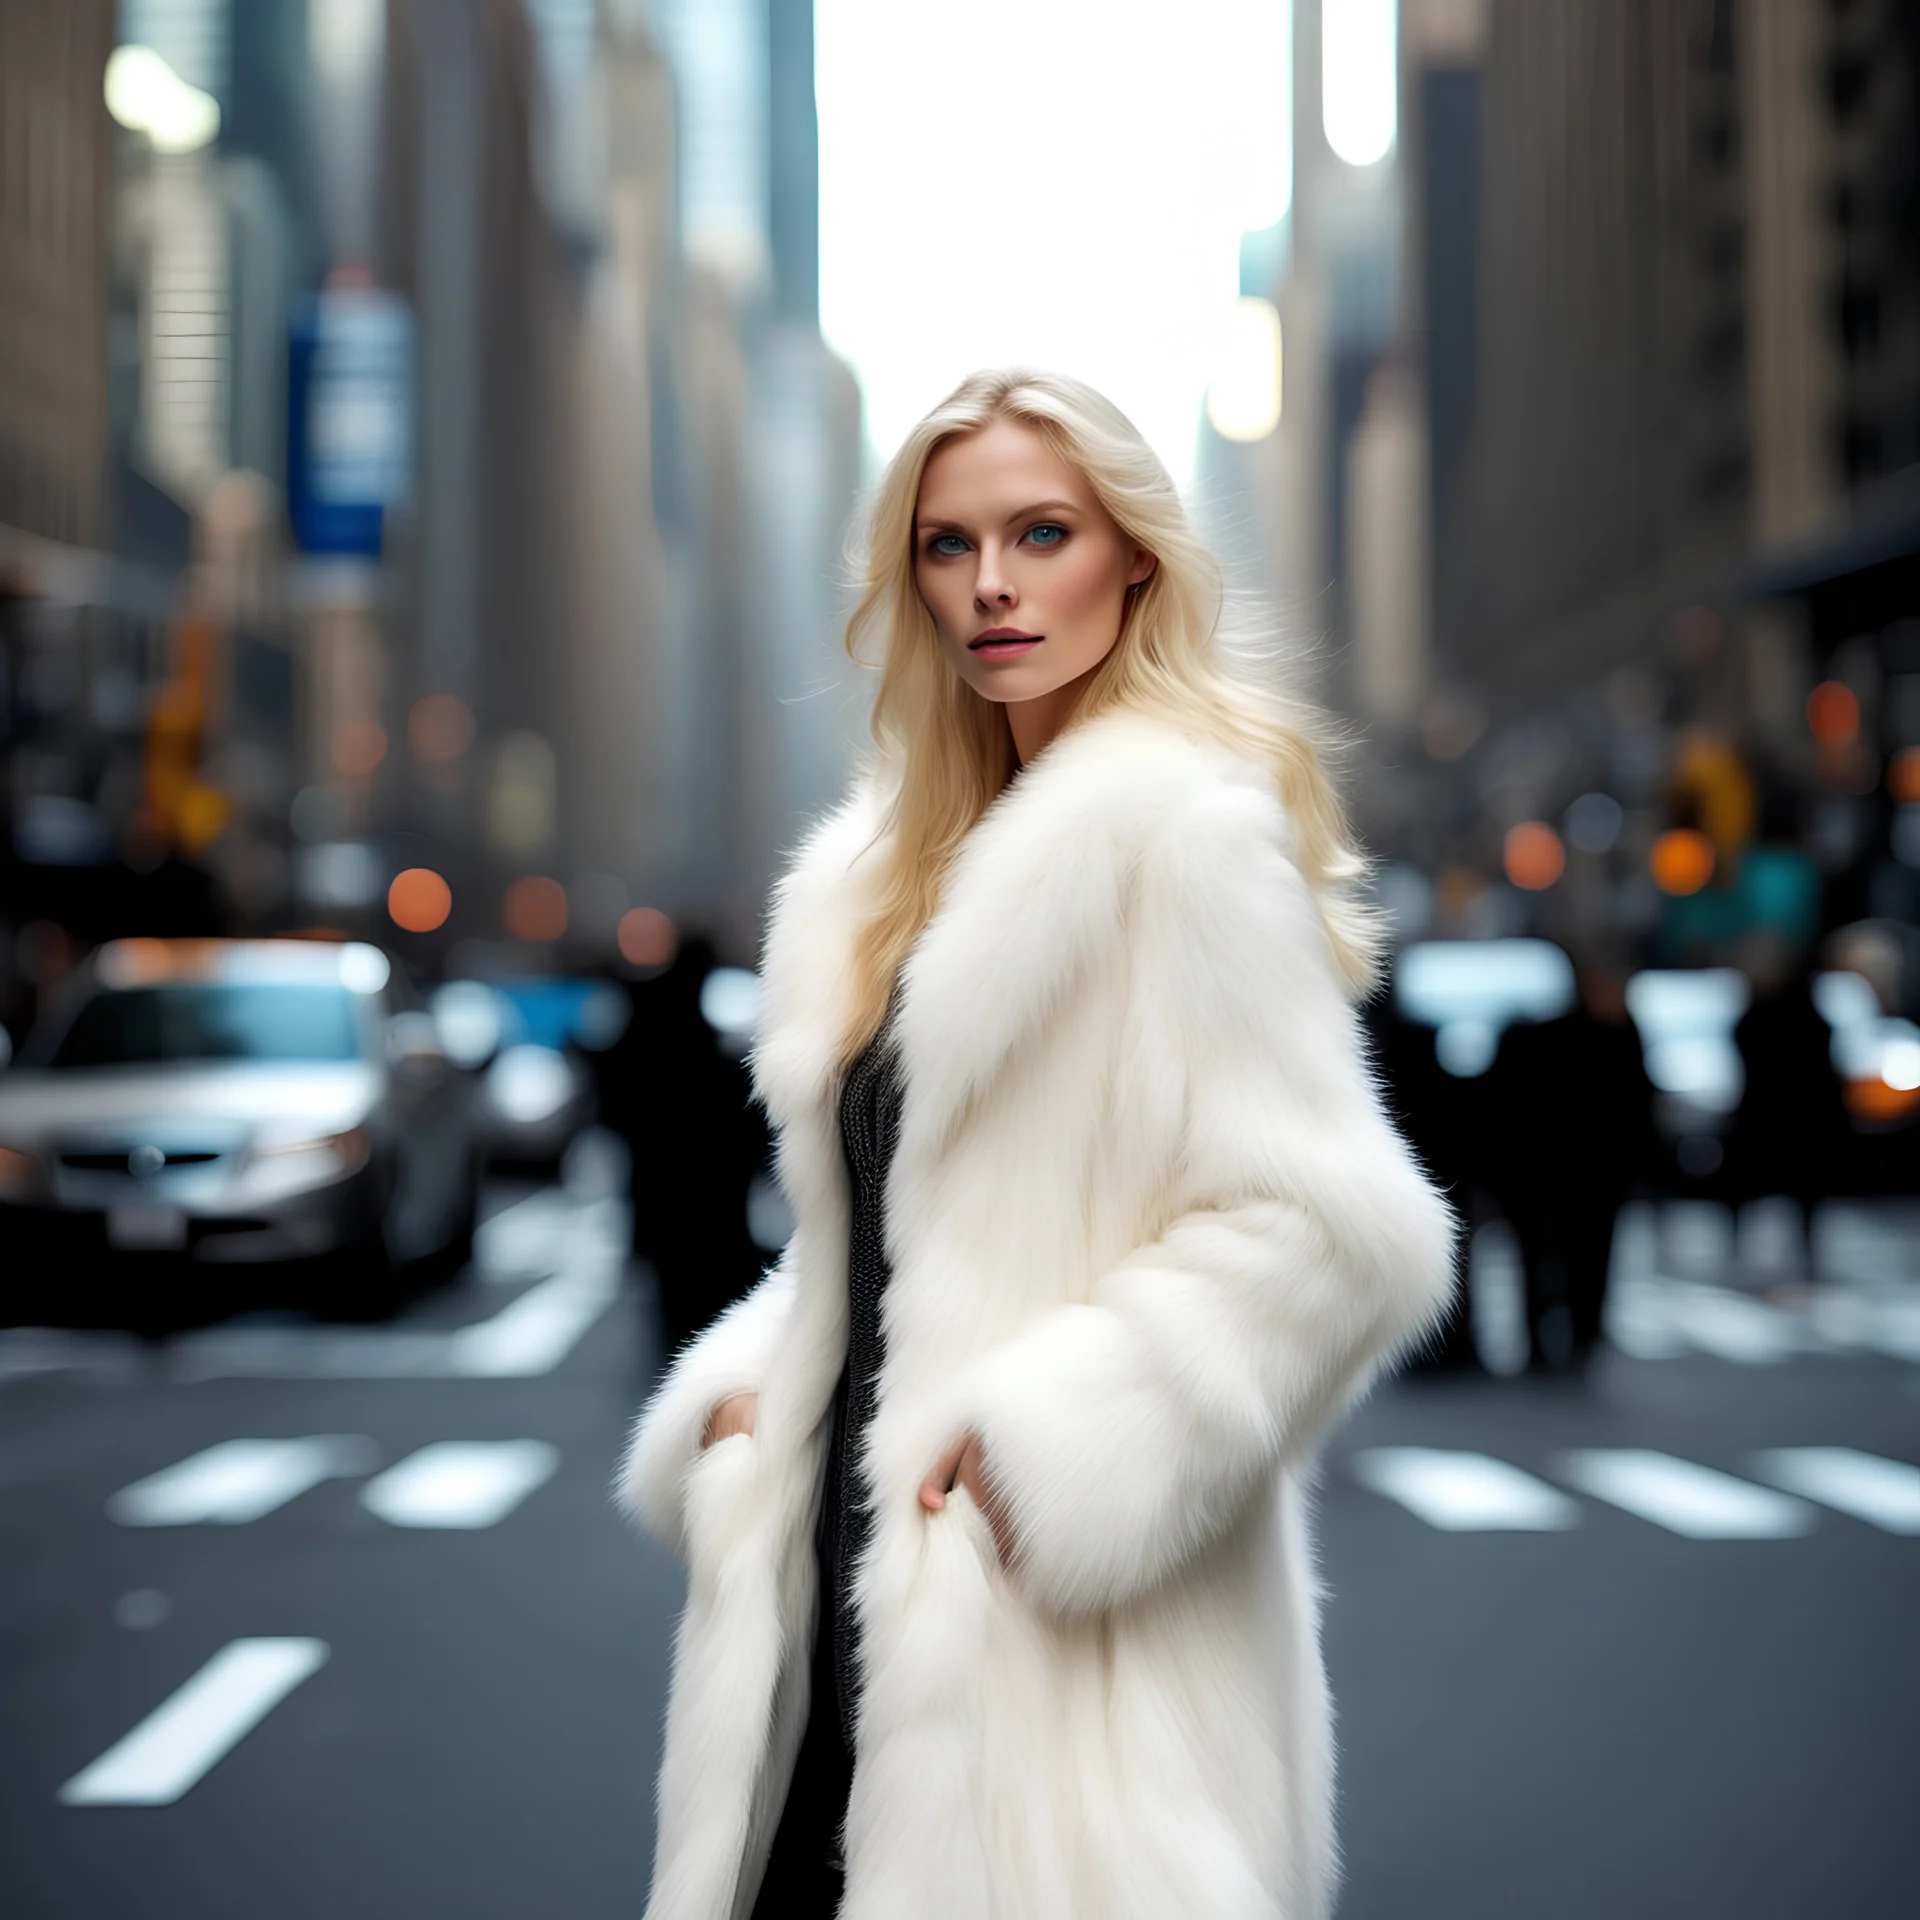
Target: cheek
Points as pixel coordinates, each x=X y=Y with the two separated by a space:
x=1083 y=585
x=936 y=595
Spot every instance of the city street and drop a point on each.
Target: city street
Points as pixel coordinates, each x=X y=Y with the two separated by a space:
x=1639 y=1646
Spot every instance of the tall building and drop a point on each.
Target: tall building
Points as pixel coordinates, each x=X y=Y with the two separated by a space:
x=633 y=455
x=1663 y=293
x=56 y=180
x=1693 y=306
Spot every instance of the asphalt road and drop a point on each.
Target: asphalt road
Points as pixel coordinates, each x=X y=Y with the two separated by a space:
x=390 y=1652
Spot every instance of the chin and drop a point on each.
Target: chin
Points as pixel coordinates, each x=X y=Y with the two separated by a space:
x=1008 y=688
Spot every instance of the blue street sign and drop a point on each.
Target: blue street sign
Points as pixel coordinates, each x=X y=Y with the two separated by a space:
x=350 y=418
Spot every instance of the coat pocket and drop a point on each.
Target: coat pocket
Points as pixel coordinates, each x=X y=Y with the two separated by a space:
x=714 y=1488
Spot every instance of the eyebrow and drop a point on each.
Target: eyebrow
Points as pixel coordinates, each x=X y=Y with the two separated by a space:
x=1019 y=513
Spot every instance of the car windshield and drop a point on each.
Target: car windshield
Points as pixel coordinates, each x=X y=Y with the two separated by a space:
x=253 y=1022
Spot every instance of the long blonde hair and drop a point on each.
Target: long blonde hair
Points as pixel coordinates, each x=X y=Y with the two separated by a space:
x=942 y=752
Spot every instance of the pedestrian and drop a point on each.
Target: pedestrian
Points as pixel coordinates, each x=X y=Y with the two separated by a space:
x=1442 y=1117
x=1790 y=1137
x=683 y=1105
x=1574 y=1133
x=994 y=1494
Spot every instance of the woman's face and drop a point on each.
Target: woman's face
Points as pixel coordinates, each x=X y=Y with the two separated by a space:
x=1011 y=540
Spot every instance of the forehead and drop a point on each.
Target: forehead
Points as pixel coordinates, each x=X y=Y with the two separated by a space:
x=999 y=468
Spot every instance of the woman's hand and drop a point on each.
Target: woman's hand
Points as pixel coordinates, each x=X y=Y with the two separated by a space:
x=962 y=1465
x=735 y=1414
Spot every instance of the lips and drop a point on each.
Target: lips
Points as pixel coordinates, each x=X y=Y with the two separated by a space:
x=1003 y=636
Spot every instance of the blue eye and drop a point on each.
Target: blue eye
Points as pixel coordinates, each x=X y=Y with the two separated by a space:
x=1046 y=534
x=936 y=545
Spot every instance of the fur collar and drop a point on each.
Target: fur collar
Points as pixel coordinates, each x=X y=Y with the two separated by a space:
x=1039 y=885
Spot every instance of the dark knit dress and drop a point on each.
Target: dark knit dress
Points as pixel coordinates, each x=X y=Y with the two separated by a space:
x=804 y=1875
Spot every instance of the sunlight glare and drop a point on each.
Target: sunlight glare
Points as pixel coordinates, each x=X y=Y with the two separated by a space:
x=1063 y=186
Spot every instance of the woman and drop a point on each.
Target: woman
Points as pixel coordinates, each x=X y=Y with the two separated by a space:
x=1098 y=1225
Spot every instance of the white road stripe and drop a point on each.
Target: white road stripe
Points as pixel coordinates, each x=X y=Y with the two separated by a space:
x=538 y=1330
x=1883 y=1493
x=177 y=1743
x=460 y=1483
x=522 y=1241
x=239 y=1480
x=1465 y=1492
x=1685 y=1498
x=1732 y=1328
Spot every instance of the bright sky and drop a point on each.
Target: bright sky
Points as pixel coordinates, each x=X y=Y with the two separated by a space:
x=1057 y=182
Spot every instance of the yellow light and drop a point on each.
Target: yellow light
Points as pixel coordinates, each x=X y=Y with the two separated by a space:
x=1243 y=396
x=146 y=96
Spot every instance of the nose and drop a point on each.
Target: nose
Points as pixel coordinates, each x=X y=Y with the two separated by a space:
x=991 y=585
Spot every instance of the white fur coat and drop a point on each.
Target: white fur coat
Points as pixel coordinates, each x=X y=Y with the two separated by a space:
x=1150 y=1233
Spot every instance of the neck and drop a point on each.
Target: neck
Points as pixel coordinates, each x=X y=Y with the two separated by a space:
x=1035 y=723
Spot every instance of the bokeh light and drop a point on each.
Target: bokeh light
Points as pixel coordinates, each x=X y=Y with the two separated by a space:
x=1833 y=713
x=1903 y=776
x=1594 y=822
x=647 y=937
x=419 y=900
x=535 y=909
x=1682 y=861
x=1243 y=395
x=359 y=746
x=440 y=727
x=1534 y=857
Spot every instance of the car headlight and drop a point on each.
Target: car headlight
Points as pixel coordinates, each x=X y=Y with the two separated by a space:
x=344 y=1152
x=19 y=1173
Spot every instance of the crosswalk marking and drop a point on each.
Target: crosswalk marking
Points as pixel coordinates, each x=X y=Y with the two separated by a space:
x=1883 y=1493
x=182 y=1739
x=538 y=1330
x=1465 y=1492
x=1731 y=1327
x=460 y=1483
x=239 y=1480
x=1685 y=1498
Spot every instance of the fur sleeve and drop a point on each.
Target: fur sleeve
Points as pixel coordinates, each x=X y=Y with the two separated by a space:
x=729 y=1357
x=1125 y=1435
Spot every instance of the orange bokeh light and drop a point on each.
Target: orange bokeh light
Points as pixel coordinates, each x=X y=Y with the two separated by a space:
x=1535 y=859
x=1875 y=1101
x=440 y=727
x=1833 y=713
x=647 y=937
x=1903 y=776
x=358 y=747
x=535 y=908
x=419 y=900
x=1682 y=861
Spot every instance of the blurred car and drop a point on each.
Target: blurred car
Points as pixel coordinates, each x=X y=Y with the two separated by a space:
x=203 y=1124
x=525 y=1034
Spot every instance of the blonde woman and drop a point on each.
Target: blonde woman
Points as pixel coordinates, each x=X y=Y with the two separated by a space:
x=994 y=1493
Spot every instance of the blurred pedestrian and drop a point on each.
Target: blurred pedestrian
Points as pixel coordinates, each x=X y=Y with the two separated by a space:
x=1574 y=1131
x=683 y=1105
x=1441 y=1114
x=994 y=1494
x=1790 y=1134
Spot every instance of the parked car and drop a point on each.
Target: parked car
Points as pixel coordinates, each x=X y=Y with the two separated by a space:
x=201 y=1125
